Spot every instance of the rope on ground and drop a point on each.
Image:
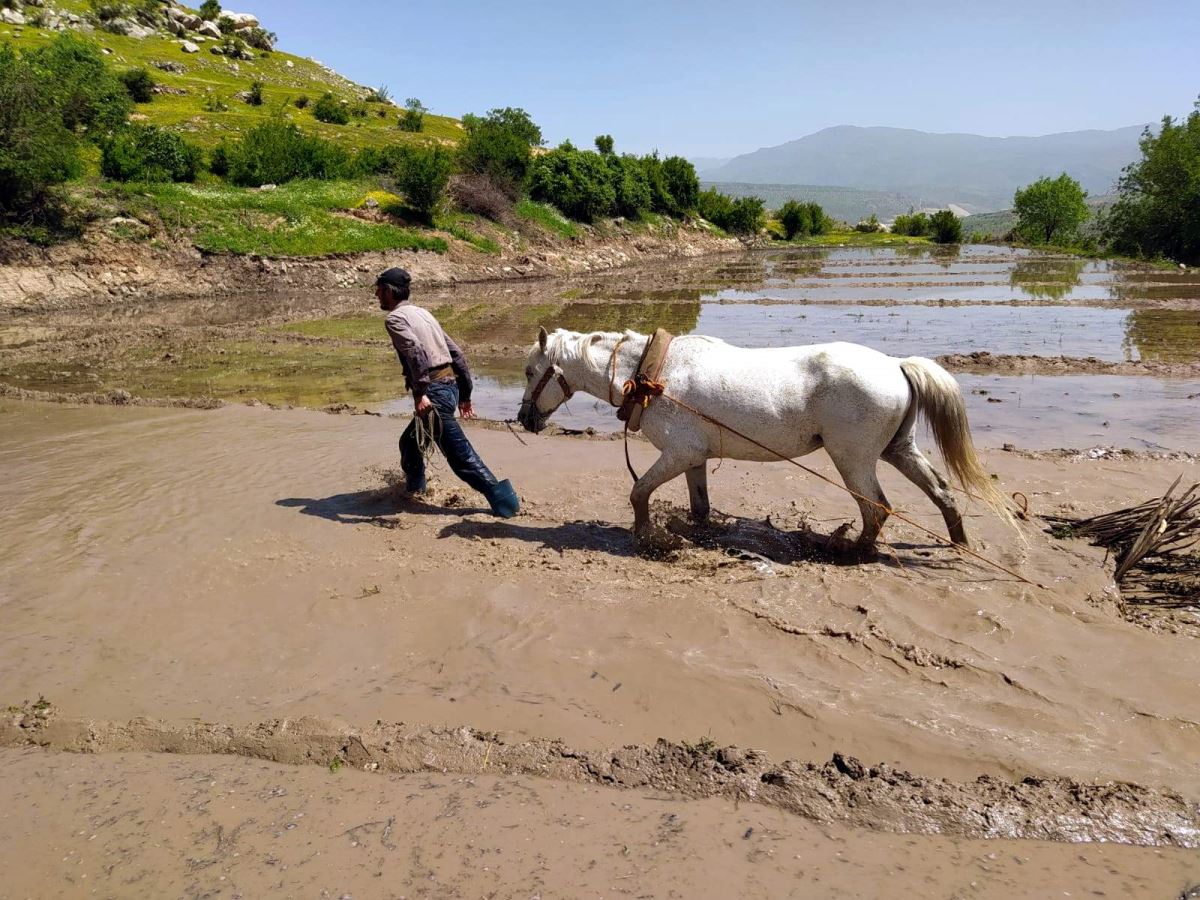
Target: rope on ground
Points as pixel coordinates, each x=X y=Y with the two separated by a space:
x=659 y=390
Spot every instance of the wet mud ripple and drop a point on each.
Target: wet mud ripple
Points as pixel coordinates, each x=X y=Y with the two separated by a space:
x=841 y=790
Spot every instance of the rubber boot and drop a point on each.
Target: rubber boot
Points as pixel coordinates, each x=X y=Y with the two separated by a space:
x=415 y=485
x=503 y=500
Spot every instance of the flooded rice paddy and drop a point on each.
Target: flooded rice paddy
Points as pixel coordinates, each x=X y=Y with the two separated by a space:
x=317 y=350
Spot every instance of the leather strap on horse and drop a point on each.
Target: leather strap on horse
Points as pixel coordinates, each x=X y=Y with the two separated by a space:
x=645 y=385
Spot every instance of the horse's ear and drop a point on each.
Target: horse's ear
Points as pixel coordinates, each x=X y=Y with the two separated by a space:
x=597 y=338
x=543 y=337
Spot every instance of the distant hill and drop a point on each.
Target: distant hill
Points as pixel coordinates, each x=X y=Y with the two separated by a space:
x=976 y=172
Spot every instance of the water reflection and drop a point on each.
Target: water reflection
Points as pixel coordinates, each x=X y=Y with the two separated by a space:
x=1163 y=335
x=1047 y=279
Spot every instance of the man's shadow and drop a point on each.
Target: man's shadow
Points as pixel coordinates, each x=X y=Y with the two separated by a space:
x=377 y=507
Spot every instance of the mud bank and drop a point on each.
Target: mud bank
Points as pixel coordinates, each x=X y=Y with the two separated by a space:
x=33 y=278
x=162 y=825
x=985 y=363
x=842 y=790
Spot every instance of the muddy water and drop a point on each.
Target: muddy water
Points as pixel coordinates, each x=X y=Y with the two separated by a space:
x=243 y=564
x=313 y=350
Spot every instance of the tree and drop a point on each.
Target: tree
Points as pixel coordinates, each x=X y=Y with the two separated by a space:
x=210 y=10
x=604 y=144
x=946 y=227
x=1050 y=210
x=83 y=89
x=1158 y=211
x=413 y=117
x=255 y=96
x=422 y=172
x=913 y=224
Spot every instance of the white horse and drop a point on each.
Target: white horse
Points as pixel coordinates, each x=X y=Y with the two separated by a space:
x=857 y=403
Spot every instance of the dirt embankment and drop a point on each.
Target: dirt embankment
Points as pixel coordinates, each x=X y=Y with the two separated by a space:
x=38 y=278
x=842 y=790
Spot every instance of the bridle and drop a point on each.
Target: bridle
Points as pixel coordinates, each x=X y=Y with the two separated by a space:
x=552 y=372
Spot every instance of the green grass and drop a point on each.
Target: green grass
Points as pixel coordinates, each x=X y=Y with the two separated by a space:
x=209 y=76
x=301 y=218
x=548 y=217
x=457 y=224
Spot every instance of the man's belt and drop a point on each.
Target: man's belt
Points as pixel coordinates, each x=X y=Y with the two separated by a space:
x=440 y=373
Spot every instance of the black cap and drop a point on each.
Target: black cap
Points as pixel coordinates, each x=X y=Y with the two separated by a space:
x=395 y=277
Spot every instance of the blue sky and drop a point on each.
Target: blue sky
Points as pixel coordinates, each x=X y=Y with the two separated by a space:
x=716 y=79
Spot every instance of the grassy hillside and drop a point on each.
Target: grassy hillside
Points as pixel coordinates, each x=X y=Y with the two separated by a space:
x=209 y=81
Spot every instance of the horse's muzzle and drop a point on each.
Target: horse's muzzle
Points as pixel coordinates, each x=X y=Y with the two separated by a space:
x=531 y=418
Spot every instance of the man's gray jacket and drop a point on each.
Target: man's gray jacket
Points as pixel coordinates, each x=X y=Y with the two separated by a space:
x=424 y=349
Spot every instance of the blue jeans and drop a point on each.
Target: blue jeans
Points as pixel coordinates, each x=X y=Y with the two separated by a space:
x=463 y=460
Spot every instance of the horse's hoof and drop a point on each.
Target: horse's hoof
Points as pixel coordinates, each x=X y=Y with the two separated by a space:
x=654 y=542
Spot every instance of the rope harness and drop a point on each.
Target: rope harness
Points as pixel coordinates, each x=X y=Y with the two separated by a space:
x=645 y=385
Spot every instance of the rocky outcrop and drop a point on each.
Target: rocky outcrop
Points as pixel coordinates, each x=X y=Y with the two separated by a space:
x=11 y=17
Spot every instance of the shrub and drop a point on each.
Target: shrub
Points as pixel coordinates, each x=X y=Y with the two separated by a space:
x=37 y=151
x=480 y=195
x=301 y=102
x=1050 y=210
x=498 y=145
x=218 y=159
x=413 y=117
x=379 y=95
x=630 y=184
x=82 y=88
x=277 y=151
x=226 y=24
x=254 y=96
x=795 y=219
x=210 y=10
x=945 y=227
x=913 y=224
x=661 y=199
x=261 y=39
x=577 y=182
x=148 y=153
x=681 y=184
x=422 y=172
x=139 y=85
x=331 y=110
x=741 y=216
x=214 y=104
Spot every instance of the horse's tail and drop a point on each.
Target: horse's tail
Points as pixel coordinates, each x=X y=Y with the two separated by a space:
x=939 y=399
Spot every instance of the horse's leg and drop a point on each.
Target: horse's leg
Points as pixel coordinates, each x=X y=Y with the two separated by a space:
x=697 y=481
x=913 y=465
x=665 y=468
x=858 y=472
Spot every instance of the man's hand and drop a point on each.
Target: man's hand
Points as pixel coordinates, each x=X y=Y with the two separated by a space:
x=424 y=405
x=466 y=409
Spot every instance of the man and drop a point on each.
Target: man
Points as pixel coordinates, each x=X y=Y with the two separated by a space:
x=436 y=372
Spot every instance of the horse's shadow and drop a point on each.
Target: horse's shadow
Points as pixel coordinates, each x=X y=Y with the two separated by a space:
x=740 y=538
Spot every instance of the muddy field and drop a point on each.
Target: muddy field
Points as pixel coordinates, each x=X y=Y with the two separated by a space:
x=361 y=694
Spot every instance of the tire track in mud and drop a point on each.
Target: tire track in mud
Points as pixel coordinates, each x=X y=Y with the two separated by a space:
x=842 y=790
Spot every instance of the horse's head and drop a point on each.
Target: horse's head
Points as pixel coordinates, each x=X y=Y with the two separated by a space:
x=545 y=387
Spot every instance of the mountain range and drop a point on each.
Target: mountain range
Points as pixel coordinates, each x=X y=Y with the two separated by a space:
x=977 y=172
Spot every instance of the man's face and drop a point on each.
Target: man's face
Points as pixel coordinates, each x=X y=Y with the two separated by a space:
x=387 y=300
